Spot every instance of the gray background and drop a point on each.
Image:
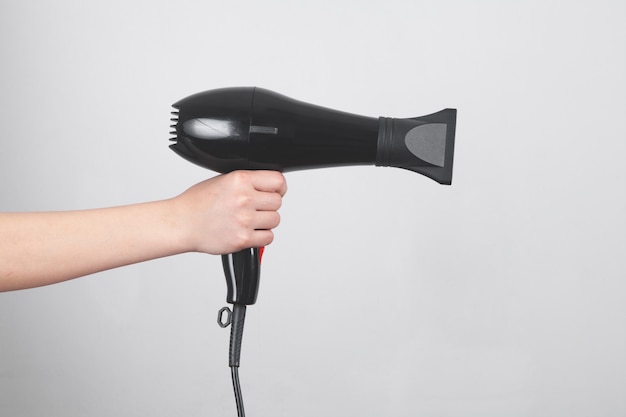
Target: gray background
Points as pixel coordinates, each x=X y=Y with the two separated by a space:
x=384 y=293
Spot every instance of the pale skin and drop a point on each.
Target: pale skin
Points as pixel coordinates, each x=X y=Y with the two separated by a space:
x=221 y=215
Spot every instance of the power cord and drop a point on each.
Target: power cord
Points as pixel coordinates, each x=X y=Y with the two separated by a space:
x=236 y=319
x=234 y=371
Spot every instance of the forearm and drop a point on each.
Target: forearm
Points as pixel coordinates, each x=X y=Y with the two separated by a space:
x=44 y=248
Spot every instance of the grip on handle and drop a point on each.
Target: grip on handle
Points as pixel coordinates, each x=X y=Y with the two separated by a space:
x=242 y=270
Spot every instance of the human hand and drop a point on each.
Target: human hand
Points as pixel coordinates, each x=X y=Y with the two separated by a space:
x=230 y=212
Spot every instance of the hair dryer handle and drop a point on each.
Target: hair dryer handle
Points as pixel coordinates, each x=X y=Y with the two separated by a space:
x=243 y=271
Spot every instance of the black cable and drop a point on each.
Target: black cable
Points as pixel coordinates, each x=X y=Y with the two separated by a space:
x=236 y=336
x=236 y=333
x=234 y=371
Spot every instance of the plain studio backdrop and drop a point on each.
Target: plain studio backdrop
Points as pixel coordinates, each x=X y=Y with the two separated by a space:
x=384 y=294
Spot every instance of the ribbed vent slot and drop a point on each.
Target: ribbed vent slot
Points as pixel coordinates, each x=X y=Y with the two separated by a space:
x=174 y=125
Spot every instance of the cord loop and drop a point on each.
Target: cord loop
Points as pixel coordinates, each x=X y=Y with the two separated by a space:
x=220 y=317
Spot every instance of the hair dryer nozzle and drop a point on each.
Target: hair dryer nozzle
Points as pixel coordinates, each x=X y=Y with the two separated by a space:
x=422 y=144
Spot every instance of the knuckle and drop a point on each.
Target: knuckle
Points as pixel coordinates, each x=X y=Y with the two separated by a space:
x=243 y=201
x=244 y=220
x=239 y=175
x=240 y=178
x=242 y=240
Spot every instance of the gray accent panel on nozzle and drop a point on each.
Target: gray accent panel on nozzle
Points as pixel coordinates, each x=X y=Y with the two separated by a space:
x=428 y=143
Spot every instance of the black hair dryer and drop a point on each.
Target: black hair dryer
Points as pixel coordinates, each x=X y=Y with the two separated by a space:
x=252 y=128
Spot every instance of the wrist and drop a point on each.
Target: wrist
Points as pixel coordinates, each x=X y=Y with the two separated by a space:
x=175 y=227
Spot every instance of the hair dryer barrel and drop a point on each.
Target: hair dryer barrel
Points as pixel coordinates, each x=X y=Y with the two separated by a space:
x=253 y=128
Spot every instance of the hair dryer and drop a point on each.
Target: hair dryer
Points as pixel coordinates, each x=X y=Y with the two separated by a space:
x=252 y=128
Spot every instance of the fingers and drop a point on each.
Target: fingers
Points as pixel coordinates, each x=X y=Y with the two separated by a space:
x=267 y=201
x=265 y=220
x=261 y=238
x=269 y=188
x=230 y=212
x=269 y=181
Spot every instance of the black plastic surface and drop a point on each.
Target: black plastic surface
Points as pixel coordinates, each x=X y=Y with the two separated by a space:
x=270 y=131
x=243 y=272
x=253 y=128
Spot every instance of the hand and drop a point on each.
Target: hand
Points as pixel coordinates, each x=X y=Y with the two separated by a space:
x=231 y=212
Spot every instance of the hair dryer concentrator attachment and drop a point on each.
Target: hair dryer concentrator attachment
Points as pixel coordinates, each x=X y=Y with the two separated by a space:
x=253 y=128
